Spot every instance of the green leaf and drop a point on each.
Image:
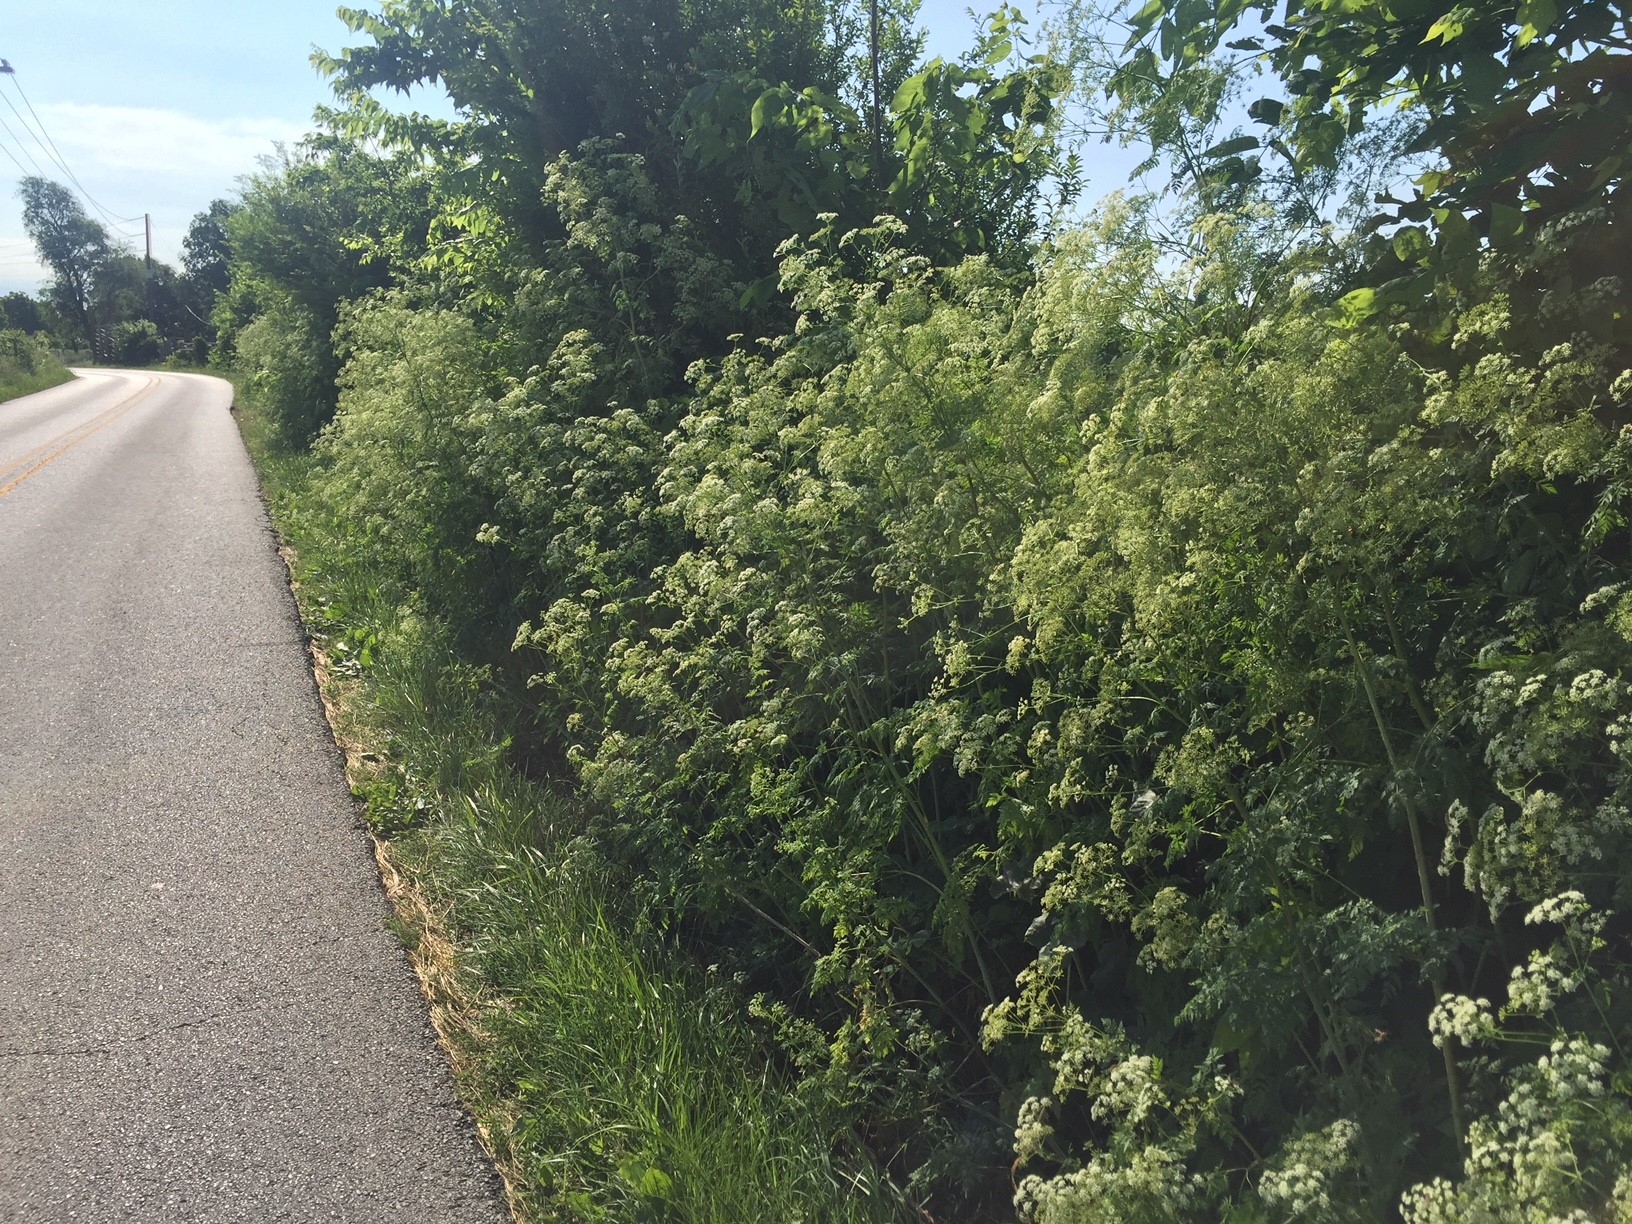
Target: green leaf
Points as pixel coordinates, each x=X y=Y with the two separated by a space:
x=762 y=111
x=647 y=1181
x=1229 y=148
x=1146 y=18
x=1266 y=110
x=911 y=93
x=1448 y=28
x=1357 y=306
x=1412 y=244
x=657 y=1184
x=1536 y=17
x=1506 y=224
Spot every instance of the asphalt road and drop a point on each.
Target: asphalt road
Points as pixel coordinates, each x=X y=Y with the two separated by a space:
x=202 y=1014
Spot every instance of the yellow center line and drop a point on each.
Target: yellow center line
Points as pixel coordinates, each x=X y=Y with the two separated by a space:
x=73 y=437
x=11 y=466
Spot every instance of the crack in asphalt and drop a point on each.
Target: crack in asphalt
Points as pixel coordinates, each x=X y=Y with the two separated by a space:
x=111 y=1046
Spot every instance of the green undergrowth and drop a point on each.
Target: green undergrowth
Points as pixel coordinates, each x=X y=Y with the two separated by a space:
x=615 y=1080
x=27 y=366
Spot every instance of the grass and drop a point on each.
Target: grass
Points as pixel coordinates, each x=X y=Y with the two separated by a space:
x=27 y=372
x=612 y=1079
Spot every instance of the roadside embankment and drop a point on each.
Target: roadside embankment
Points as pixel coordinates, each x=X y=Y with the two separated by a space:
x=27 y=366
x=610 y=1078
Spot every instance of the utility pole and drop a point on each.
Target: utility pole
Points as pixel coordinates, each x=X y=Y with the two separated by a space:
x=148 y=284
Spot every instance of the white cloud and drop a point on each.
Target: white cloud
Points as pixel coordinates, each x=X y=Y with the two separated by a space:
x=117 y=141
x=20 y=269
x=134 y=160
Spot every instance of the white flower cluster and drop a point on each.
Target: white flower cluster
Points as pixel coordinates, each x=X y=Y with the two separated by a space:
x=1126 y=1087
x=1032 y=1129
x=1536 y=986
x=1526 y=1163
x=1604 y=596
x=1513 y=854
x=1131 y=1089
x=1561 y=833
x=1570 y=1070
x=1464 y=1019
x=1305 y=1174
x=1150 y=1184
x=1079 y=1051
x=1138 y=1172
x=1563 y=909
x=1596 y=689
x=1531 y=689
x=1167 y=927
x=1456 y=819
x=1618 y=732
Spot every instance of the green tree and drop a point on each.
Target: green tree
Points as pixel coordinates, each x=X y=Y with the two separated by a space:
x=206 y=249
x=72 y=245
x=136 y=342
x=24 y=313
x=323 y=221
x=206 y=274
x=533 y=82
x=321 y=225
x=120 y=293
x=1523 y=109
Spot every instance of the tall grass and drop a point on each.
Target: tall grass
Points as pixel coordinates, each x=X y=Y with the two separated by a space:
x=27 y=366
x=613 y=1079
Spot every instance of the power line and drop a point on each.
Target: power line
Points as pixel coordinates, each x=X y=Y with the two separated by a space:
x=26 y=128
x=49 y=147
x=21 y=169
x=21 y=147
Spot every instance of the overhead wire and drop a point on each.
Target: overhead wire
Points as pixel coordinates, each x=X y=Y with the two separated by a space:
x=122 y=238
x=42 y=138
x=21 y=169
x=21 y=147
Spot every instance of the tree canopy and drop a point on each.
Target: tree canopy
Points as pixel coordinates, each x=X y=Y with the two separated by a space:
x=71 y=244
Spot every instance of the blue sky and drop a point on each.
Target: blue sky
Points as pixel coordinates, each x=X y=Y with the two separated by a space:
x=158 y=107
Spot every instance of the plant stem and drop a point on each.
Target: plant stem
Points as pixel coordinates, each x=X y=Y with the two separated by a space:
x=1453 y=1079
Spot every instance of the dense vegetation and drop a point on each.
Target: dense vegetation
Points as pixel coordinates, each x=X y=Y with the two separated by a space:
x=1124 y=714
x=27 y=365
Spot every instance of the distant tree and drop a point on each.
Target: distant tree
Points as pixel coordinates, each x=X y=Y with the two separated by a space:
x=71 y=244
x=175 y=305
x=137 y=342
x=324 y=223
x=120 y=291
x=19 y=312
x=535 y=81
x=206 y=251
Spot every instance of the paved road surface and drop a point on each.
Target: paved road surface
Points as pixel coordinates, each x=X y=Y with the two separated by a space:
x=202 y=1016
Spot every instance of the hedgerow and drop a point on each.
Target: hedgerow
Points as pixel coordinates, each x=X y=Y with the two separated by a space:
x=1136 y=722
